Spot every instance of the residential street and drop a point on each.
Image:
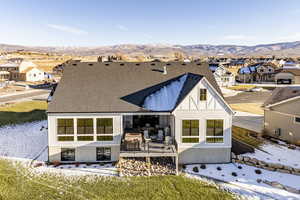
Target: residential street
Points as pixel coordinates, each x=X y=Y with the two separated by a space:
x=24 y=96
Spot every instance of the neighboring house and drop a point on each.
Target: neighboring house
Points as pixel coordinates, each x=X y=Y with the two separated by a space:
x=8 y=70
x=282 y=114
x=223 y=77
x=247 y=74
x=288 y=75
x=106 y=111
x=34 y=74
x=265 y=72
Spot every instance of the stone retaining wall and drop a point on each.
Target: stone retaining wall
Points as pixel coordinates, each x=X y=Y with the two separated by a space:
x=264 y=165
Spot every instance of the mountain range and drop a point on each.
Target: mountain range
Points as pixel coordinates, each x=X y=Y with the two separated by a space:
x=277 y=49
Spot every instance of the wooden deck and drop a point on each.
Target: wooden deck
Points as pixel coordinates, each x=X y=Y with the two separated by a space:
x=151 y=152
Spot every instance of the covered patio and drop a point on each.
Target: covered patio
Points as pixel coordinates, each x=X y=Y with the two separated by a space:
x=148 y=136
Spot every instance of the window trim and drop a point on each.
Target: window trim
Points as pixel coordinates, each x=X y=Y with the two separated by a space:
x=200 y=94
x=206 y=136
x=58 y=135
x=182 y=136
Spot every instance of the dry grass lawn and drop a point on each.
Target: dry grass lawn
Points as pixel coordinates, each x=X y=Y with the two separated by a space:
x=241 y=87
x=254 y=108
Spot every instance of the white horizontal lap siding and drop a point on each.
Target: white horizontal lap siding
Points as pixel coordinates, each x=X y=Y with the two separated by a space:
x=52 y=129
x=194 y=109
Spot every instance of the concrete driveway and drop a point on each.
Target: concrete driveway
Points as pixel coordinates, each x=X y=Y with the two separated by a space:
x=249 y=121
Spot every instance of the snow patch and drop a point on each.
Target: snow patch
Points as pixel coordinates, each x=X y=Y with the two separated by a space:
x=165 y=98
x=24 y=141
x=246 y=184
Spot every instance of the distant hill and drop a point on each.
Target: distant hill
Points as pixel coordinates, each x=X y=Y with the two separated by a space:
x=278 y=49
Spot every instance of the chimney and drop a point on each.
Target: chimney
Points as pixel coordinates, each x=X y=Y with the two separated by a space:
x=165 y=70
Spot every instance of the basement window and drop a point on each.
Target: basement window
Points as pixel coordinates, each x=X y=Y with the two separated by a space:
x=297 y=120
x=103 y=153
x=67 y=154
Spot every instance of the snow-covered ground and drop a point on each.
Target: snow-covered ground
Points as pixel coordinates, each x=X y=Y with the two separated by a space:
x=27 y=140
x=228 y=92
x=277 y=154
x=245 y=183
x=80 y=170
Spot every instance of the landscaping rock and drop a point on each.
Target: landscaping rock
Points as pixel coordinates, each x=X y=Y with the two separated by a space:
x=262 y=163
x=258 y=180
x=258 y=171
x=275 y=165
x=246 y=158
x=288 y=168
x=240 y=157
x=269 y=168
x=290 y=189
x=233 y=156
x=283 y=171
x=254 y=161
x=277 y=185
x=296 y=173
x=195 y=169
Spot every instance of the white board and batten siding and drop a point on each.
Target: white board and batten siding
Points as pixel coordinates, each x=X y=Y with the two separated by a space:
x=85 y=150
x=191 y=108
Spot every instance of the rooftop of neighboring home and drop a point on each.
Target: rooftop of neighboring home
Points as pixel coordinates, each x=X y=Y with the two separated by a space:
x=126 y=87
x=294 y=71
x=282 y=94
x=10 y=64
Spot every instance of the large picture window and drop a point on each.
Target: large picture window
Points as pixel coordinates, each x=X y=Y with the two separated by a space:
x=103 y=153
x=214 y=131
x=67 y=154
x=105 y=129
x=190 y=131
x=65 y=129
x=85 y=130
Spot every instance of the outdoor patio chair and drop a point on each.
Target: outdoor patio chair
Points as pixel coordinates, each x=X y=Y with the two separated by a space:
x=160 y=135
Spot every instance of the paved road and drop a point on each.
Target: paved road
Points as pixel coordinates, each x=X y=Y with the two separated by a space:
x=248 y=121
x=249 y=97
x=18 y=97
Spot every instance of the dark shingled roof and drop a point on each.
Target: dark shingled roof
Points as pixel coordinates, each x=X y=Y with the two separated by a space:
x=120 y=87
x=281 y=94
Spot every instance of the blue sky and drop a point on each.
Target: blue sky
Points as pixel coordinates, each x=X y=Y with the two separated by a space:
x=97 y=22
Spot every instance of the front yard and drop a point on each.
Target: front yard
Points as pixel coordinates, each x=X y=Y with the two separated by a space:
x=17 y=182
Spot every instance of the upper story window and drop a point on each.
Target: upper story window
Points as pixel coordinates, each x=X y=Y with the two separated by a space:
x=105 y=129
x=214 y=131
x=203 y=94
x=190 y=131
x=65 y=129
x=297 y=120
x=85 y=130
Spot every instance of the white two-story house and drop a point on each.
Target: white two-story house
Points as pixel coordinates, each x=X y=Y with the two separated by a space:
x=103 y=111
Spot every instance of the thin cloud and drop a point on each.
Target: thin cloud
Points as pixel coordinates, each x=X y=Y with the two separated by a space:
x=289 y=38
x=67 y=29
x=147 y=36
x=238 y=37
x=122 y=27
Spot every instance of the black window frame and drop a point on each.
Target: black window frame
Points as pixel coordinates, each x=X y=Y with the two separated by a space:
x=101 y=154
x=68 y=150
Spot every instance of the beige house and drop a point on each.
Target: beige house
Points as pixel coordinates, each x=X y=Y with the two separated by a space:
x=287 y=75
x=101 y=112
x=282 y=114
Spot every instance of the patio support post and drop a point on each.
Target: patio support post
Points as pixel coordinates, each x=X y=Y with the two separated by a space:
x=176 y=163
